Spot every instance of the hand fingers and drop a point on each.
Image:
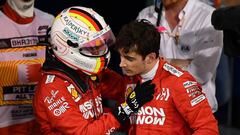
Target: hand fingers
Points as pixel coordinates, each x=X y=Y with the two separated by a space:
x=146 y=99
x=147 y=90
x=146 y=83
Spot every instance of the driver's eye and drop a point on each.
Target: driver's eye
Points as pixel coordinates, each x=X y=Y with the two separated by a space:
x=97 y=50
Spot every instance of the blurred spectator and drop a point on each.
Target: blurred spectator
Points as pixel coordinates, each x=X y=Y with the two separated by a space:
x=22 y=28
x=223 y=83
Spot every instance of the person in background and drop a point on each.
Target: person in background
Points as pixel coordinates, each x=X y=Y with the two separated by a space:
x=178 y=99
x=188 y=39
x=22 y=28
x=75 y=79
x=224 y=73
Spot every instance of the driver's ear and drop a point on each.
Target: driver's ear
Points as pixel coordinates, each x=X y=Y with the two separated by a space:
x=150 y=58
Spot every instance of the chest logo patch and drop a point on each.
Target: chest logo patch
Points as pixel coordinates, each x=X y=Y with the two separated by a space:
x=75 y=94
x=163 y=95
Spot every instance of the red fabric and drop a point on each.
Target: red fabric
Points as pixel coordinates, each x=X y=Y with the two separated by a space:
x=174 y=109
x=68 y=116
x=112 y=86
x=8 y=11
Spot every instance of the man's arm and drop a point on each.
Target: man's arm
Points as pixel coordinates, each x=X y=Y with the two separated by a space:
x=57 y=112
x=193 y=106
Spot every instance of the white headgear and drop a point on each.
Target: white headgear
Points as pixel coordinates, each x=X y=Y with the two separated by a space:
x=25 y=8
x=80 y=38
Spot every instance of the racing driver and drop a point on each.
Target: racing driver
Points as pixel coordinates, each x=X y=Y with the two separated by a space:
x=179 y=106
x=74 y=81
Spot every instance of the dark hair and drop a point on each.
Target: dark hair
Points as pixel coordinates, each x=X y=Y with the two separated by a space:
x=139 y=36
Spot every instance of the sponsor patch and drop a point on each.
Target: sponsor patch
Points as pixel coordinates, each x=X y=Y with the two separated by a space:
x=50 y=99
x=74 y=27
x=189 y=83
x=70 y=34
x=194 y=94
x=172 y=70
x=193 y=91
x=129 y=89
x=149 y=115
x=56 y=103
x=87 y=108
x=50 y=79
x=75 y=94
x=197 y=100
x=163 y=95
x=126 y=108
x=62 y=109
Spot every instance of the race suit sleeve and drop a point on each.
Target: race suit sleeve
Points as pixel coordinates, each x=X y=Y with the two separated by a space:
x=112 y=86
x=57 y=113
x=193 y=106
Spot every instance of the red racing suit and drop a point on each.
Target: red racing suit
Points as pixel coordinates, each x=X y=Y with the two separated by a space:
x=62 y=108
x=178 y=108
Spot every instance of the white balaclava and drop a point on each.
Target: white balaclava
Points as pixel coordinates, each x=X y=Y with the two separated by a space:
x=25 y=8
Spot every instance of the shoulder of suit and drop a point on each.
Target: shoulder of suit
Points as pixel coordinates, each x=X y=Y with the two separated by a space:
x=49 y=79
x=173 y=70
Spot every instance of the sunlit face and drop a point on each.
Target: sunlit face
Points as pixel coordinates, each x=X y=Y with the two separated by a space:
x=132 y=63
